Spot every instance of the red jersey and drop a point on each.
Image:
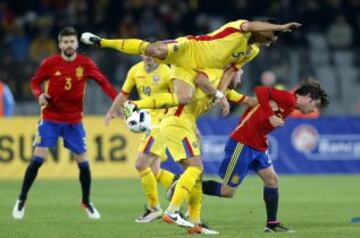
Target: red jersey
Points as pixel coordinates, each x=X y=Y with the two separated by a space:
x=255 y=125
x=65 y=83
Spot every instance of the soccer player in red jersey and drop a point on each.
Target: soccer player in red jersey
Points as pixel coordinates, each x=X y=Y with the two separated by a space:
x=65 y=76
x=247 y=146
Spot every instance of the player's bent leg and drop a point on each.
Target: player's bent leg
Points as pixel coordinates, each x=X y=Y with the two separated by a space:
x=127 y=46
x=40 y=153
x=149 y=186
x=85 y=181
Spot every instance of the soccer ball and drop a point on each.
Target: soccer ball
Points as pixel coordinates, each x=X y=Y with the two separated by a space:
x=139 y=121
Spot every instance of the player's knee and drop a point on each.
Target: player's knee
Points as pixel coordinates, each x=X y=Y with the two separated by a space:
x=156 y=50
x=273 y=182
x=140 y=166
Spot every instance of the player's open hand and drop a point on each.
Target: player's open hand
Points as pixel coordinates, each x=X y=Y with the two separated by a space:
x=288 y=27
x=276 y=121
x=44 y=99
x=225 y=106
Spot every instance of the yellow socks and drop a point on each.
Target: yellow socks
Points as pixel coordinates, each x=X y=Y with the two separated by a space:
x=195 y=201
x=128 y=46
x=149 y=186
x=184 y=186
x=165 y=178
x=158 y=101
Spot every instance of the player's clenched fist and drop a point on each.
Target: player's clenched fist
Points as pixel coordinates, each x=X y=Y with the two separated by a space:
x=43 y=99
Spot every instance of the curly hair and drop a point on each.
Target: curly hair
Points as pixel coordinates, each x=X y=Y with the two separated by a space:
x=313 y=88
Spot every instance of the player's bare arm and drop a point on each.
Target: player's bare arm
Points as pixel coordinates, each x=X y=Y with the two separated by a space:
x=250 y=101
x=116 y=108
x=258 y=26
x=204 y=84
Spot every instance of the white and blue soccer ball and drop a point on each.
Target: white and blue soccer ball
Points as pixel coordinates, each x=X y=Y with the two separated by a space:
x=139 y=121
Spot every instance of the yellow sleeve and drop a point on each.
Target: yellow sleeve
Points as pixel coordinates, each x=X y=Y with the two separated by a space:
x=129 y=82
x=243 y=60
x=234 y=96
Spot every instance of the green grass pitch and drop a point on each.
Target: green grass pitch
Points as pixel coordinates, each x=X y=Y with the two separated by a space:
x=315 y=206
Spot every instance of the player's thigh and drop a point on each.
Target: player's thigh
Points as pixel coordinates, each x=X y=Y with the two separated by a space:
x=46 y=137
x=152 y=144
x=157 y=50
x=235 y=166
x=180 y=139
x=74 y=137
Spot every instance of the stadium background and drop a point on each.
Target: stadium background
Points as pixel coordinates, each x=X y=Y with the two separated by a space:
x=326 y=47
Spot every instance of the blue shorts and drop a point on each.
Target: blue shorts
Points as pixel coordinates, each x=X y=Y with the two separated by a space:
x=73 y=135
x=239 y=159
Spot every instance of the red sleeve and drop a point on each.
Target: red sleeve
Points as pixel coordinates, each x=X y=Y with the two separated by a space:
x=263 y=95
x=283 y=98
x=41 y=74
x=101 y=80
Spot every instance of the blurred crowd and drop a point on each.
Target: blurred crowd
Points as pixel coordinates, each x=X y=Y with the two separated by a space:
x=28 y=31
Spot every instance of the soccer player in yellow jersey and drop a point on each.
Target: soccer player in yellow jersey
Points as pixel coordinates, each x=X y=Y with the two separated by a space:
x=231 y=44
x=148 y=77
x=179 y=134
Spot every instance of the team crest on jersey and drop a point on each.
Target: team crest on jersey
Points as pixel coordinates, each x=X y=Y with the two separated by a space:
x=156 y=78
x=57 y=73
x=79 y=73
x=235 y=179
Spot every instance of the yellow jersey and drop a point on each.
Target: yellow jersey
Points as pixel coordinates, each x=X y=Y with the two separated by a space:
x=202 y=102
x=147 y=84
x=227 y=45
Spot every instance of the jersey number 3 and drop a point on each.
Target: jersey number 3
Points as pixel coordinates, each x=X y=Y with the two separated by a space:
x=68 y=83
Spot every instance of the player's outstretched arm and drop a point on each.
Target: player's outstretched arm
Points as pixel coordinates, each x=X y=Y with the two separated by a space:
x=256 y=26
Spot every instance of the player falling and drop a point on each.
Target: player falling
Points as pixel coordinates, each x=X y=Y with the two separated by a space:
x=235 y=44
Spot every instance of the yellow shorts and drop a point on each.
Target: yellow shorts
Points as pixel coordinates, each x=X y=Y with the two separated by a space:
x=180 y=139
x=152 y=144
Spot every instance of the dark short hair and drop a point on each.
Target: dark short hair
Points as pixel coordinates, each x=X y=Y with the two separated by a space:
x=67 y=31
x=313 y=88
